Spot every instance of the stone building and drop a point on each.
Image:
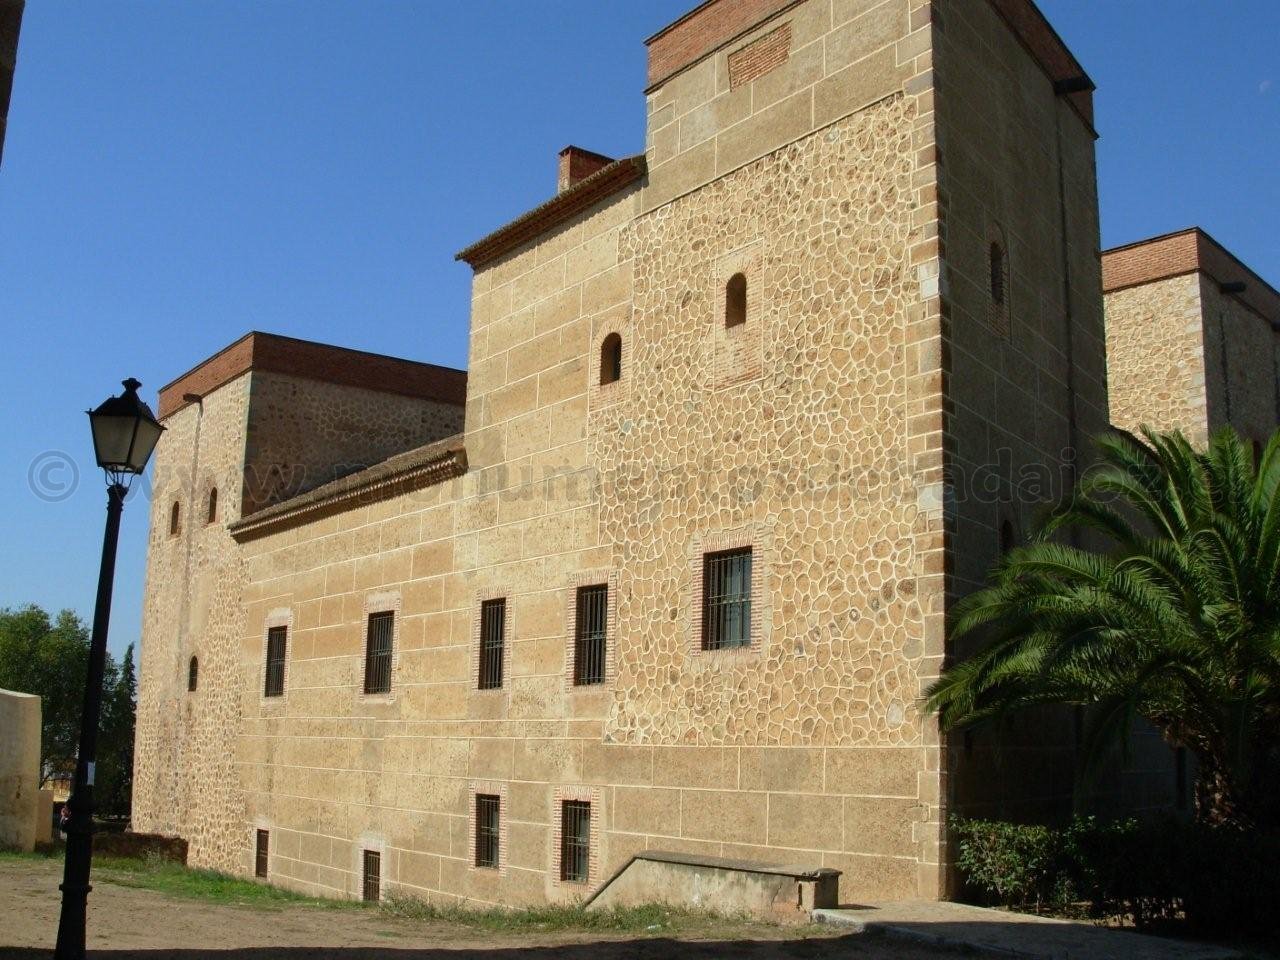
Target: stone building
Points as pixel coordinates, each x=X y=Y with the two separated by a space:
x=668 y=568
x=10 y=23
x=1191 y=338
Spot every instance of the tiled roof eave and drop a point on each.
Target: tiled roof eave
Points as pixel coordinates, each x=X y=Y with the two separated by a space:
x=371 y=485
x=600 y=185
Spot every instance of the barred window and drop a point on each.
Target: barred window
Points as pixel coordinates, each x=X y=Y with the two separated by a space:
x=261 y=853
x=213 y=506
x=488 y=814
x=735 y=301
x=575 y=841
x=372 y=876
x=493 y=626
x=611 y=359
x=998 y=274
x=377 y=653
x=277 y=642
x=726 y=599
x=590 y=634
x=193 y=674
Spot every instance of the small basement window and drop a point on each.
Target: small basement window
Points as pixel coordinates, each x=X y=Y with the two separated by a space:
x=372 y=876
x=488 y=832
x=261 y=853
x=575 y=841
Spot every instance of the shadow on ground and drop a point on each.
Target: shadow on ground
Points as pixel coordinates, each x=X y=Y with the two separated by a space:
x=824 y=948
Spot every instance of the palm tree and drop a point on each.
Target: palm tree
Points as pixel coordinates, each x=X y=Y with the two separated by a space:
x=1175 y=619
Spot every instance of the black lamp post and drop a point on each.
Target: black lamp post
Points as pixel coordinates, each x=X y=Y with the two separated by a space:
x=124 y=433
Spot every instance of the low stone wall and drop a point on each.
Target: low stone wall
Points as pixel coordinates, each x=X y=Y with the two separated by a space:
x=138 y=845
x=19 y=769
x=778 y=892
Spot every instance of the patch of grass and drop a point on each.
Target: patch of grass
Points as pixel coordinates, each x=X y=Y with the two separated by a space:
x=174 y=879
x=654 y=919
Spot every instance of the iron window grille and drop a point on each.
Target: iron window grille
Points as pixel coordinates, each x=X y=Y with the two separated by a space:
x=193 y=674
x=575 y=841
x=590 y=637
x=261 y=851
x=493 y=625
x=372 y=876
x=488 y=814
x=277 y=641
x=377 y=653
x=726 y=599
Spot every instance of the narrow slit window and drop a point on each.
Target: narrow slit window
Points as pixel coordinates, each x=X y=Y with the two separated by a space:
x=726 y=599
x=493 y=627
x=213 y=506
x=377 y=653
x=611 y=359
x=277 y=643
x=175 y=518
x=735 y=301
x=372 y=876
x=999 y=275
x=1006 y=536
x=488 y=829
x=193 y=674
x=590 y=635
x=261 y=857
x=575 y=841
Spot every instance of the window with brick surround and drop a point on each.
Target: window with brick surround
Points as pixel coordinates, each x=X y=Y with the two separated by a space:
x=372 y=886
x=493 y=627
x=999 y=274
x=590 y=635
x=193 y=674
x=175 y=518
x=726 y=599
x=735 y=301
x=277 y=644
x=575 y=841
x=488 y=829
x=261 y=854
x=212 y=516
x=611 y=359
x=377 y=652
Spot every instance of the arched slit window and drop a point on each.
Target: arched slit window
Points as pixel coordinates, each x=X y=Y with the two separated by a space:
x=999 y=275
x=193 y=673
x=1006 y=536
x=213 y=506
x=175 y=518
x=735 y=301
x=611 y=359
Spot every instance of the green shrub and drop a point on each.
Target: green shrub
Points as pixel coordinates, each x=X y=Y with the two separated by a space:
x=1218 y=881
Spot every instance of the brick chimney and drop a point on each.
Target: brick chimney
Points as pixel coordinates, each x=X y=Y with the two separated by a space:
x=577 y=164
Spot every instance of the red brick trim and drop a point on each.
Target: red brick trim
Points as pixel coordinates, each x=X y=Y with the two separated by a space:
x=612 y=179
x=592 y=796
x=1037 y=35
x=752 y=536
x=508 y=635
x=760 y=56
x=273 y=353
x=576 y=164
x=587 y=579
x=493 y=788
x=1187 y=251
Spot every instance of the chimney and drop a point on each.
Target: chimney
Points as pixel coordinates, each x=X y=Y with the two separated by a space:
x=577 y=164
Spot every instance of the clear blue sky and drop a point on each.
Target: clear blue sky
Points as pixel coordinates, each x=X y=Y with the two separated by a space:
x=177 y=173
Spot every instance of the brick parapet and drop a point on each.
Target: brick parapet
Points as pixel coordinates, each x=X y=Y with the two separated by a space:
x=1187 y=251
x=314 y=361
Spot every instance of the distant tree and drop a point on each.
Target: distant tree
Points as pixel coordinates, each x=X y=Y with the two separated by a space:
x=48 y=658
x=114 y=789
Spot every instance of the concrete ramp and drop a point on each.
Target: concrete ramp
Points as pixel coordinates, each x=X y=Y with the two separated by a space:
x=774 y=891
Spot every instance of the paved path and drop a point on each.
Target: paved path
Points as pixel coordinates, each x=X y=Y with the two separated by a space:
x=1013 y=934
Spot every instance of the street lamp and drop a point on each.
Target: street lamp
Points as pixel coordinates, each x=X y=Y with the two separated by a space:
x=124 y=433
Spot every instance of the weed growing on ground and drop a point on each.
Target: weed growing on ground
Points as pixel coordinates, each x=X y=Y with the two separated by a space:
x=649 y=918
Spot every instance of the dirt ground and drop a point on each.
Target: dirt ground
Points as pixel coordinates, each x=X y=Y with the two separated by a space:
x=126 y=923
